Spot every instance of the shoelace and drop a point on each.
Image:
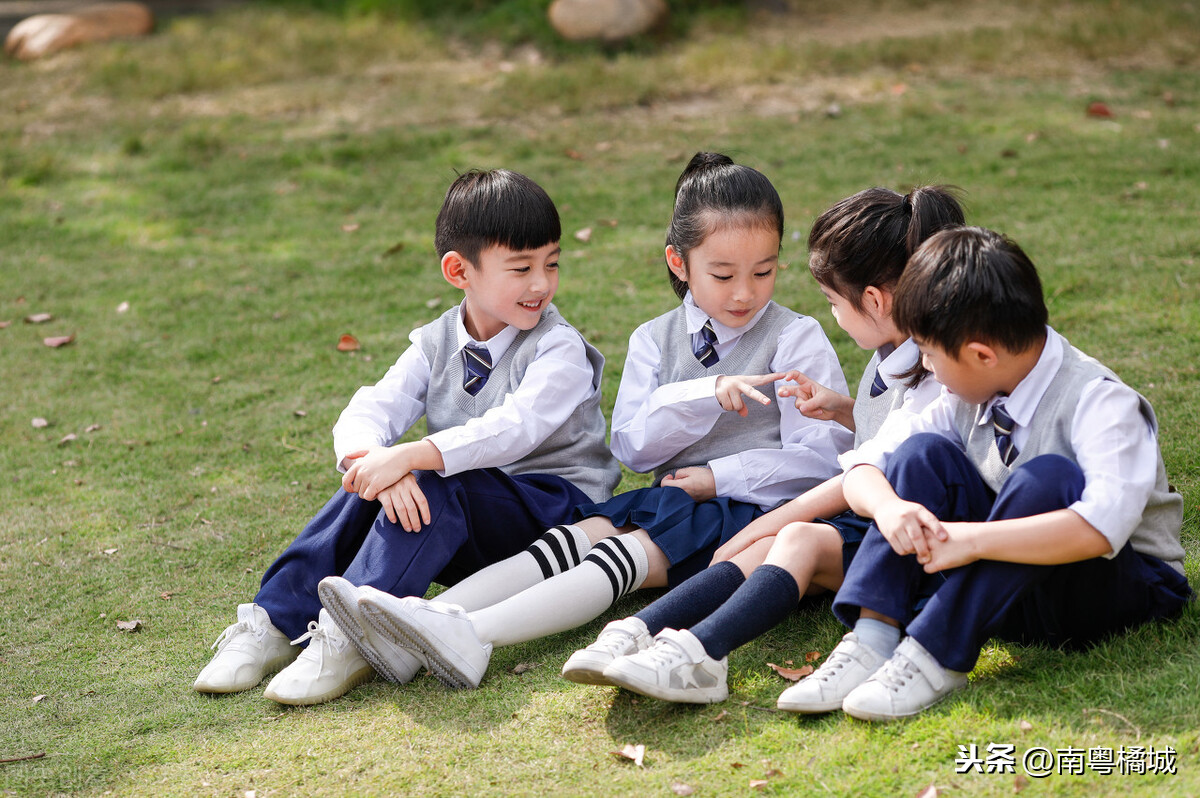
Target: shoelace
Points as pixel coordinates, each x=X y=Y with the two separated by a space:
x=614 y=643
x=320 y=638
x=837 y=660
x=234 y=630
x=667 y=652
x=896 y=672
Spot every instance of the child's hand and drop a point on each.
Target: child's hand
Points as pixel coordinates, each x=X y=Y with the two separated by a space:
x=815 y=401
x=368 y=474
x=952 y=552
x=750 y=534
x=698 y=481
x=909 y=527
x=405 y=504
x=731 y=389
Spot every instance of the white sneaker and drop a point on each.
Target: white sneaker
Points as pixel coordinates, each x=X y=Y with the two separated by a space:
x=340 y=597
x=617 y=639
x=674 y=668
x=823 y=690
x=907 y=684
x=247 y=652
x=327 y=669
x=442 y=633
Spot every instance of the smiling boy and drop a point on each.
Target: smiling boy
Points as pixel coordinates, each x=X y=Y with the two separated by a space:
x=511 y=397
x=1029 y=502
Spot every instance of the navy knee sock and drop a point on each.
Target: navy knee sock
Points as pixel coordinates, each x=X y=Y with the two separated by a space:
x=694 y=599
x=768 y=595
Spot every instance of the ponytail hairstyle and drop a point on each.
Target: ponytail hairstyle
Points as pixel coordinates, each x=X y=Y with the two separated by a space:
x=866 y=239
x=714 y=193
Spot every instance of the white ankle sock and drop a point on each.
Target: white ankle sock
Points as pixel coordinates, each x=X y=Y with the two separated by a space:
x=559 y=549
x=615 y=566
x=877 y=635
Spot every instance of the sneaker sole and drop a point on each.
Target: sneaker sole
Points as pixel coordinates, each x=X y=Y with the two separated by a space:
x=586 y=673
x=336 y=604
x=446 y=671
x=698 y=695
x=877 y=717
x=809 y=709
x=355 y=679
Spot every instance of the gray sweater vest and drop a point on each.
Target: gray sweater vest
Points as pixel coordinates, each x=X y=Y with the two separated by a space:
x=870 y=411
x=751 y=354
x=575 y=451
x=1050 y=433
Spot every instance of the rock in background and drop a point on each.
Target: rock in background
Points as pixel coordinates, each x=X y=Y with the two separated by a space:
x=606 y=20
x=44 y=34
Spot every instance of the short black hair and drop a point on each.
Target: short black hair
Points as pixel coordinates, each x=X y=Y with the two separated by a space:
x=712 y=193
x=495 y=208
x=969 y=284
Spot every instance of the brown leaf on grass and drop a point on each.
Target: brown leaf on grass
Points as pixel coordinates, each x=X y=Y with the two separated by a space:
x=574 y=155
x=55 y=341
x=70 y=436
x=394 y=249
x=679 y=788
x=300 y=413
x=37 y=699
x=129 y=626
x=736 y=765
x=758 y=784
x=584 y=235
x=899 y=89
x=812 y=656
x=1020 y=783
x=773 y=773
x=347 y=343
x=929 y=792
x=123 y=307
x=720 y=716
x=4 y=324
x=351 y=227
x=794 y=674
x=1025 y=726
x=1099 y=110
x=522 y=667
x=610 y=222
x=634 y=753
x=91 y=428
x=111 y=551
x=433 y=302
x=166 y=595
x=38 y=318
x=39 y=423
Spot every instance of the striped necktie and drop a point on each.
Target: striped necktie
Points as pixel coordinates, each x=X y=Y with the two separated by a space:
x=878 y=386
x=478 y=362
x=1004 y=425
x=706 y=348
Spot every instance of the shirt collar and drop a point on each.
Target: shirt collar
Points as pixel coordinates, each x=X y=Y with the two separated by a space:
x=496 y=346
x=899 y=361
x=1023 y=401
x=696 y=317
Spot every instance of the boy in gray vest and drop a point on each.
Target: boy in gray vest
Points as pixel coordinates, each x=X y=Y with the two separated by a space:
x=1029 y=502
x=511 y=396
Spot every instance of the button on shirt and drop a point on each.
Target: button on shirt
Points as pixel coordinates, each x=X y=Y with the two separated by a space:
x=558 y=380
x=1115 y=446
x=652 y=422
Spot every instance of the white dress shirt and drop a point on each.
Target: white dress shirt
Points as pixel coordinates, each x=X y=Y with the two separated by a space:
x=1115 y=446
x=653 y=422
x=557 y=381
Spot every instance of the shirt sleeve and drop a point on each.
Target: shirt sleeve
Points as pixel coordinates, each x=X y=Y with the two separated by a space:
x=652 y=423
x=557 y=381
x=1117 y=449
x=379 y=414
x=808 y=457
x=937 y=417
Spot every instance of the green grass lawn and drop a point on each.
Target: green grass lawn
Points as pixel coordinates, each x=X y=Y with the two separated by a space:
x=208 y=210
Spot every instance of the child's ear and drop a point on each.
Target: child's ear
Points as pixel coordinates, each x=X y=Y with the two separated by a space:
x=676 y=264
x=878 y=301
x=981 y=353
x=455 y=269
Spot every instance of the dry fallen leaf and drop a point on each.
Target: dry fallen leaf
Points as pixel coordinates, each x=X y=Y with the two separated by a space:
x=1025 y=726
x=584 y=235
x=39 y=423
x=347 y=343
x=929 y=792
x=720 y=716
x=166 y=595
x=393 y=249
x=129 y=626
x=634 y=753
x=812 y=656
x=574 y=155
x=794 y=674
x=1020 y=783
x=521 y=667
x=37 y=699
x=433 y=303
x=111 y=551
x=1100 y=110
x=679 y=788
x=55 y=341
x=123 y=307
x=68 y=438
x=91 y=428
x=758 y=784
x=4 y=324
x=773 y=773
x=350 y=228
x=38 y=318
x=300 y=414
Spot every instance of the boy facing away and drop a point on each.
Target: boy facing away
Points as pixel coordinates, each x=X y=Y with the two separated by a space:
x=511 y=396
x=1029 y=502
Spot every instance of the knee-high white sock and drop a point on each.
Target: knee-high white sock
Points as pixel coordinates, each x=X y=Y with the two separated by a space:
x=559 y=549
x=615 y=566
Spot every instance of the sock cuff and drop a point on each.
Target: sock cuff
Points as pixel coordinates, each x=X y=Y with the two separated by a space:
x=559 y=549
x=776 y=578
x=623 y=559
